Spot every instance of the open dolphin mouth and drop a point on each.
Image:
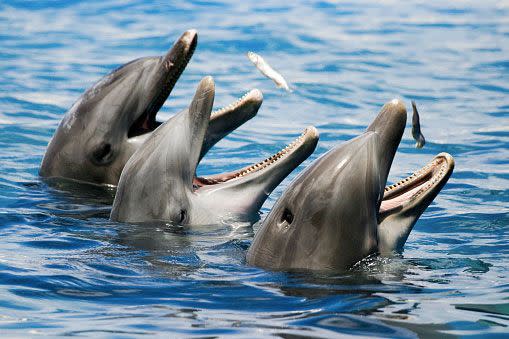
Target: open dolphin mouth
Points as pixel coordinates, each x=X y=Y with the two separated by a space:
x=147 y=123
x=172 y=66
x=159 y=181
x=428 y=180
x=297 y=149
x=409 y=197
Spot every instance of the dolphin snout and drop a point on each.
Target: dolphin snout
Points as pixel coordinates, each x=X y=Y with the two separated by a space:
x=390 y=120
x=389 y=125
x=179 y=55
x=189 y=37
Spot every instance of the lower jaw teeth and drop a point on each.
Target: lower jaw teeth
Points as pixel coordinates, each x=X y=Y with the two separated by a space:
x=232 y=105
x=271 y=160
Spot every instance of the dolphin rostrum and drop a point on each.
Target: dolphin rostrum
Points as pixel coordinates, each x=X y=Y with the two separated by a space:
x=338 y=211
x=159 y=182
x=111 y=120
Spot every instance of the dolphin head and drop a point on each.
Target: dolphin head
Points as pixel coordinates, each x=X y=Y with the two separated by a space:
x=159 y=181
x=330 y=216
x=106 y=124
x=405 y=201
x=116 y=115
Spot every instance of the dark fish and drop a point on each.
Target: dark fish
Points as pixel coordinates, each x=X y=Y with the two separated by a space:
x=416 y=128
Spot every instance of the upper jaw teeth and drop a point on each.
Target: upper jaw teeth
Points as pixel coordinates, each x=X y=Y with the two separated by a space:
x=436 y=176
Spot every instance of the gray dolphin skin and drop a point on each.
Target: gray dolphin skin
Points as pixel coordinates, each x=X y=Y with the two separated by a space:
x=338 y=211
x=115 y=116
x=159 y=181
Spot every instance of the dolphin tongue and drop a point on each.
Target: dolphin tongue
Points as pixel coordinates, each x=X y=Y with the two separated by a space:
x=389 y=125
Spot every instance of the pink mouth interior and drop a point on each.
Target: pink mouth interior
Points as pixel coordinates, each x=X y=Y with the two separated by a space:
x=421 y=182
x=395 y=202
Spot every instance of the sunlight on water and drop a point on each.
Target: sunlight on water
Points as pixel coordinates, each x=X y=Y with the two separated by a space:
x=65 y=269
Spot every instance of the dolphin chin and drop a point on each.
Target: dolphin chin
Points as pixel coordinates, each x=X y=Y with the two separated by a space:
x=338 y=210
x=159 y=182
x=110 y=121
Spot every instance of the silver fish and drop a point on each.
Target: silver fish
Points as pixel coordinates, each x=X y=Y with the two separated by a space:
x=268 y=71
x=416 y=128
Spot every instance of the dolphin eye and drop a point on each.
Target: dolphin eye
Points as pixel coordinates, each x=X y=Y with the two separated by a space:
x=183 y=215
x=287 y=216
x=103 y=154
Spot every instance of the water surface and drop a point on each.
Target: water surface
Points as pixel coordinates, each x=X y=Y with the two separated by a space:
x=66 y=270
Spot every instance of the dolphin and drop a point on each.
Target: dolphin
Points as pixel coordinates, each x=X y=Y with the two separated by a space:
x=338 y=211
x=159 y=181
x=116 y=115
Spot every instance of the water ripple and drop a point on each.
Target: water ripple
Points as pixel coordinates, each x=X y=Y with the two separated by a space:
x=65 y=269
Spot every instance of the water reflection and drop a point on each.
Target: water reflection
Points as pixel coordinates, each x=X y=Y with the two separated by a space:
x=66 y=269
x=69 y=198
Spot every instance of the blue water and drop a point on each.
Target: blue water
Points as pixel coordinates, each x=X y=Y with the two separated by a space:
x=66 y=270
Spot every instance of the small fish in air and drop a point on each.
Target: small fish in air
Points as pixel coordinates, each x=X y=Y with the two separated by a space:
x=268 y=71
x=416 y=128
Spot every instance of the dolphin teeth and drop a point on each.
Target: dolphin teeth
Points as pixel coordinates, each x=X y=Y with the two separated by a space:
x=234 y=104
x=436 y=169
x=273 y=158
